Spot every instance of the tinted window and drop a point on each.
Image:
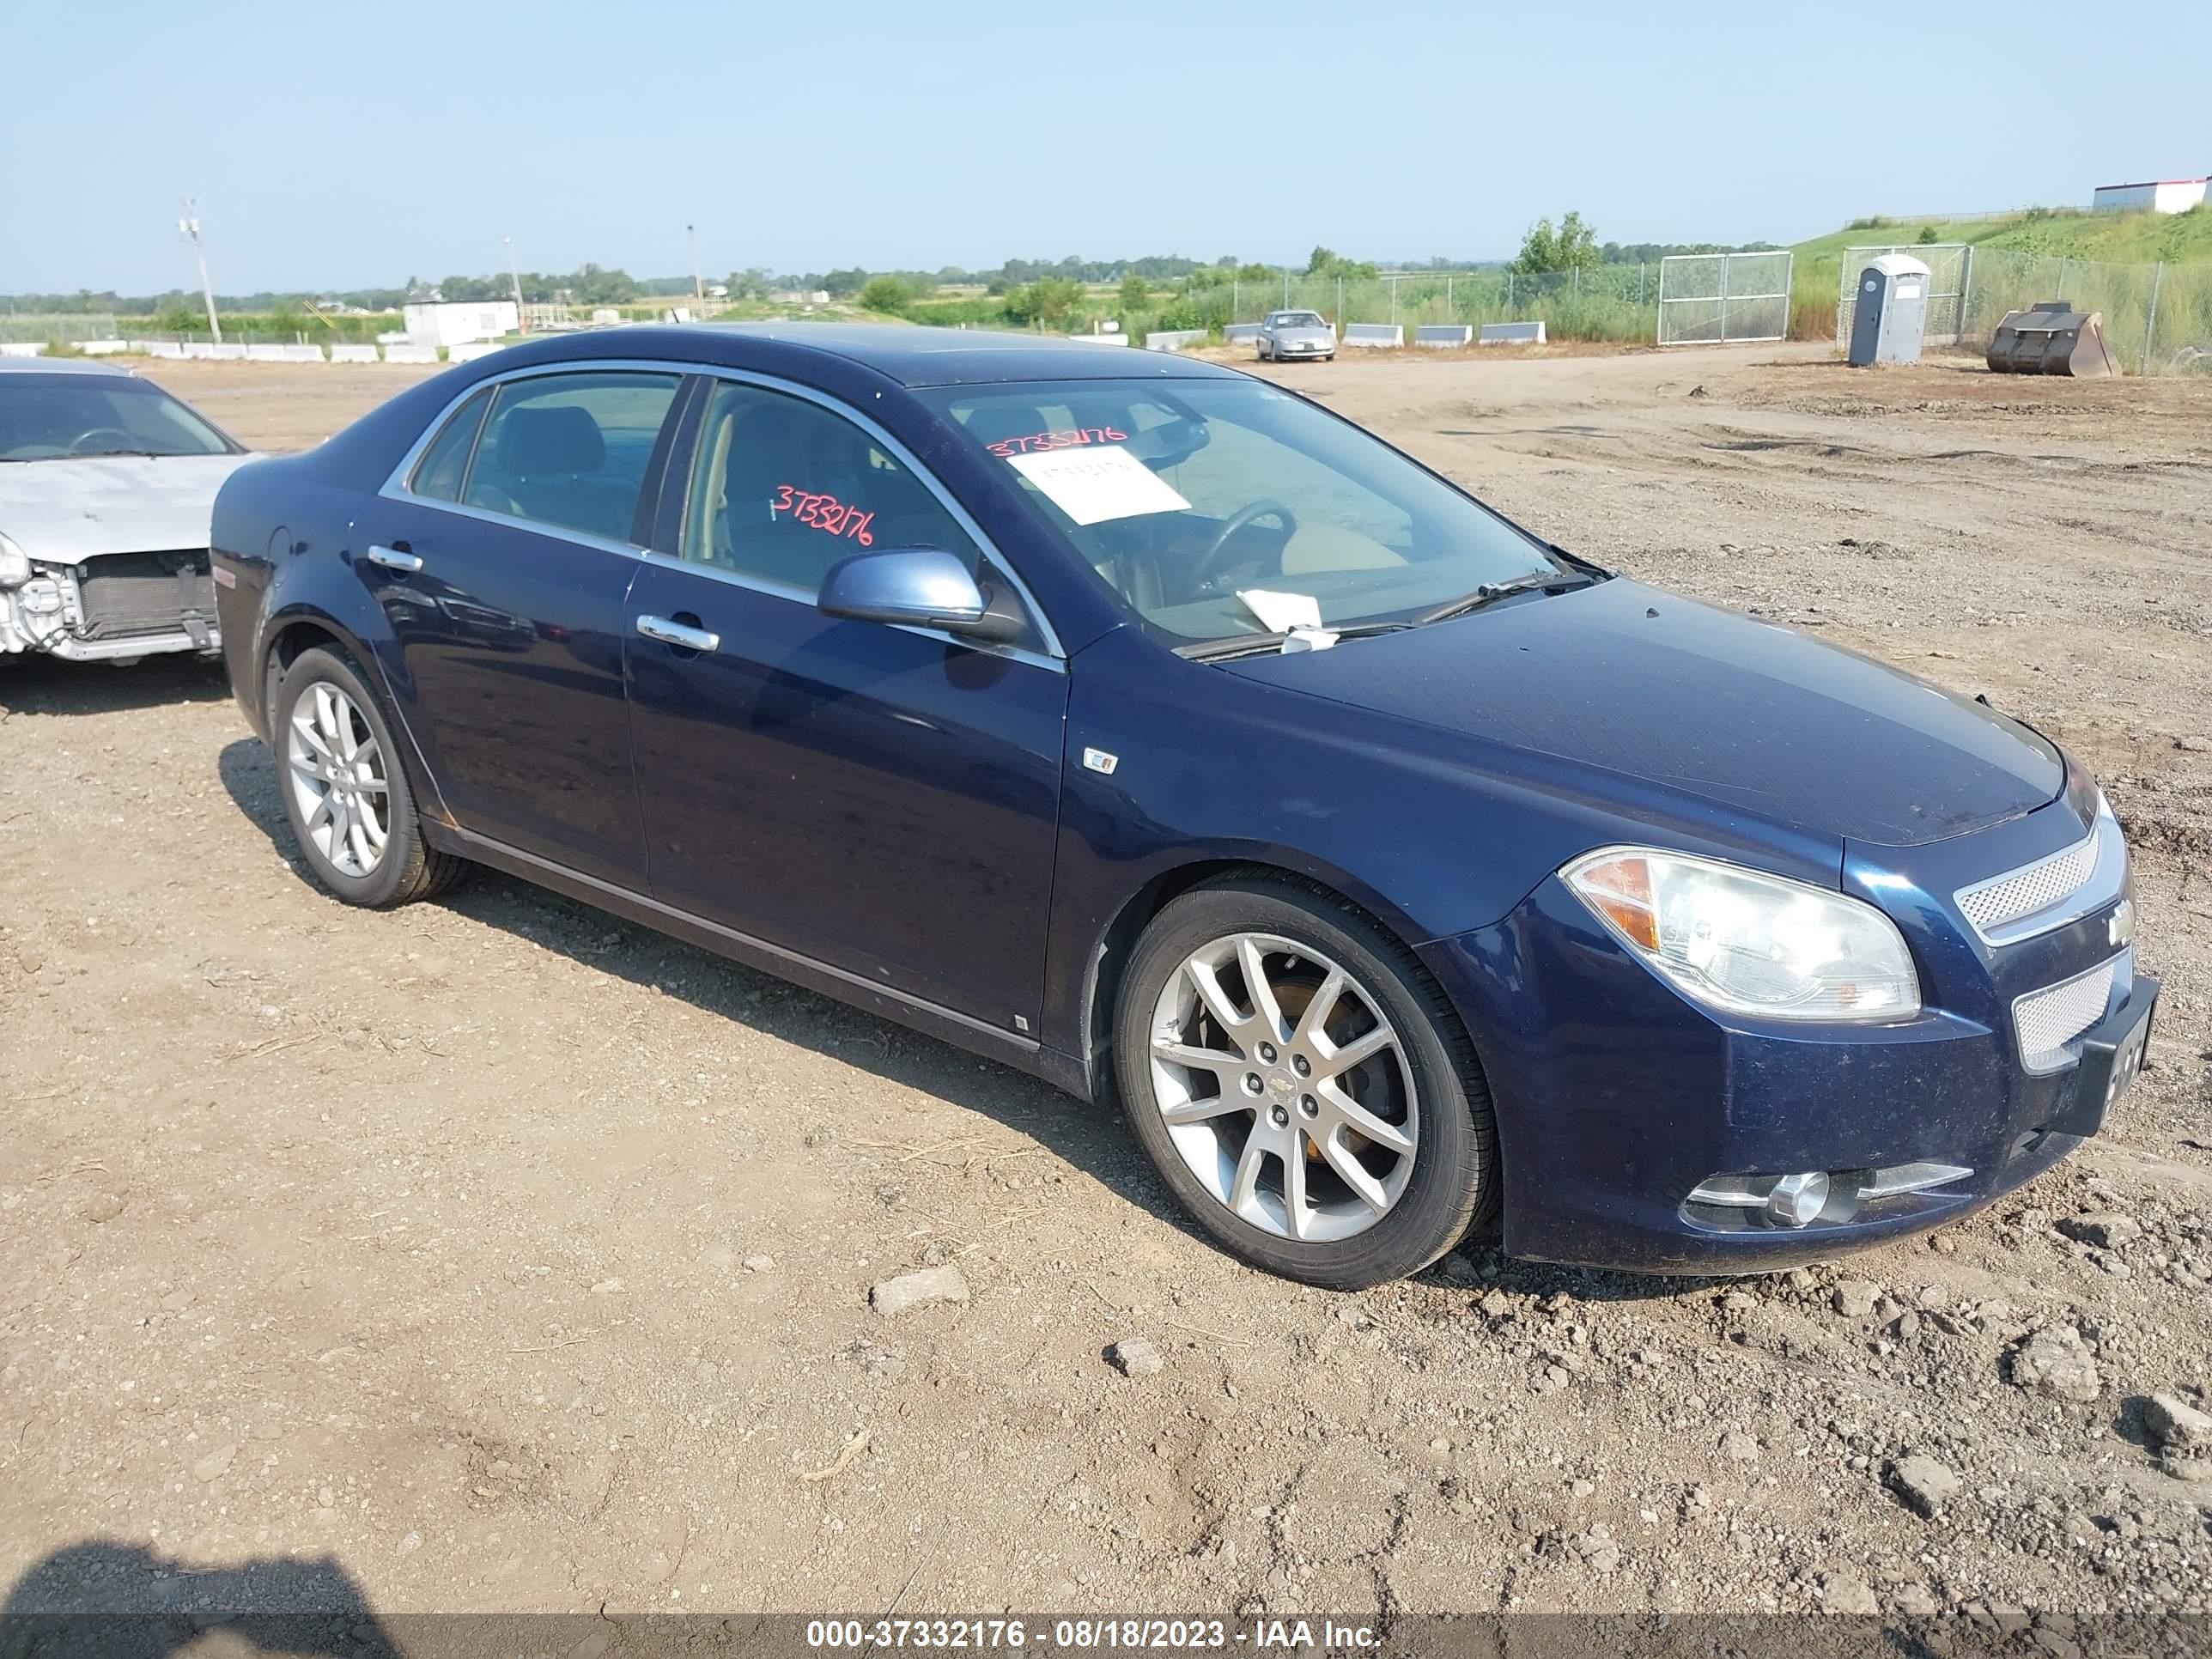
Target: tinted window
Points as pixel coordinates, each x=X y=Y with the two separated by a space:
x=439 y=474
x=783 y=488
x=571 y=449
x=46 y=417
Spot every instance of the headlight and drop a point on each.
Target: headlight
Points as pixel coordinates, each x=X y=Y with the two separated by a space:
x=1747 y=942
x=14 y=564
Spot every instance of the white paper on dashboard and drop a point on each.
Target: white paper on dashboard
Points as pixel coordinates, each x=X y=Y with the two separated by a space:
x=1098 y=481
x=1281 y=613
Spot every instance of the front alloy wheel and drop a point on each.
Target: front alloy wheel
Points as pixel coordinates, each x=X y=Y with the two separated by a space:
x=1284 y=1089
x=1303 y=1085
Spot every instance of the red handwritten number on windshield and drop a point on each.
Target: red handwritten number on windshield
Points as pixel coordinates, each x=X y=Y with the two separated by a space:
x=1010 y=447
x=823 y=512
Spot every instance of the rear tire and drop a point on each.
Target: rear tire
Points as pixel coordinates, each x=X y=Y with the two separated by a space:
x=1338 y=1175
x=345 y=789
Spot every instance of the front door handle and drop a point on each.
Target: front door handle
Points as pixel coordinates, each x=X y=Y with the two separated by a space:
x=392 y=558
x=677 y=634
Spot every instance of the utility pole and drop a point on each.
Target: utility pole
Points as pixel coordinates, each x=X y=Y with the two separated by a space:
x=698 y=287
x=189 y=226
x=514 y=276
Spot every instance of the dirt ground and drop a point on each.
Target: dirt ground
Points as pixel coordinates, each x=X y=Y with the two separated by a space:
x=494 y=1254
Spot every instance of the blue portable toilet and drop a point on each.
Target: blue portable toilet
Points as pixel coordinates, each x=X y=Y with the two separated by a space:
x=1891 y=314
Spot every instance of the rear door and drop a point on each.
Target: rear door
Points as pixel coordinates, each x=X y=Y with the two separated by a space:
x=884 y=799
x=503 y=558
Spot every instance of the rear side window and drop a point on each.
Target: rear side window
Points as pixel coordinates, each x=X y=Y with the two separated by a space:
x=439 y=474
x=570 y=449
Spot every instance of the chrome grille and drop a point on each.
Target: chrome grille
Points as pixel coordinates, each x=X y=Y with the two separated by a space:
x=2069 y=884
x=2050 y=1023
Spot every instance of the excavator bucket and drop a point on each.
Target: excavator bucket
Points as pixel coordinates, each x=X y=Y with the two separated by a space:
x=2051 y=337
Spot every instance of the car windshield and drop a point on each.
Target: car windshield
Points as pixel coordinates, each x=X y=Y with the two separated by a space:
x=1297 y=320
x=1189 y=498
x=47 y=418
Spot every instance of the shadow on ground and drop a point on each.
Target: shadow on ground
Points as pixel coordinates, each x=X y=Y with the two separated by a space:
x=48 y=685
x=1091 y=1137
x=104 y=1599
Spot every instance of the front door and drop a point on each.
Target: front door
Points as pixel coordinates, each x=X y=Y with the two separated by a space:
x=505 y=569
x=884 y=799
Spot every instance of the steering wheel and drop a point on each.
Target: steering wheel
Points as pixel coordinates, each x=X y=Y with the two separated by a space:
x=77 y=444
x=1205 y=568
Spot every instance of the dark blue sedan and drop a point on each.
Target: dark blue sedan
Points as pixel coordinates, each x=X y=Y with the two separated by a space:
x=1146 y=726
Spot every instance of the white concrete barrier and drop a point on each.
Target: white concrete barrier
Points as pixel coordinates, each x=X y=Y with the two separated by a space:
x=103 y=347
x=22 y=348
x=1101 y=339
x=202 y=350
x=1240 y=333
x=1173 y=339
x=158 y=348
x=305 y=351
x=469 y=350
x=230 y=353
x=1512 y=334
x=400 y=352
x=352 y=354
x=1377 y=337
x=265 y=351
x=1442 y=334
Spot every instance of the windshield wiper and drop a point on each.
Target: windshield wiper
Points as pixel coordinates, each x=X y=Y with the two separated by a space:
x=1246 y=645
x=1544 y=581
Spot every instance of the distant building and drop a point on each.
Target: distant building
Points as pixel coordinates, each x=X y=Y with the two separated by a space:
x=2161 y=196
x=458 y=322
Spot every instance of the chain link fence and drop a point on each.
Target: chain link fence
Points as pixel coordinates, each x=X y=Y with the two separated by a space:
x=1605 y=302
x=1714 y=298
x=29 y=328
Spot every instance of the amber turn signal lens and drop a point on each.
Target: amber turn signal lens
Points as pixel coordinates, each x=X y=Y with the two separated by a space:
x=1620 y=889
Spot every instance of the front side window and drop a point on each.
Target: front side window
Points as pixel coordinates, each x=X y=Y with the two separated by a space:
x=782 y=489
x=1187 y=496
x=570 y=449
x=59 y=416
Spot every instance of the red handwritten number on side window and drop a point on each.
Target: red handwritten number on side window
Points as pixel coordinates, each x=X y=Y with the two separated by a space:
x=824 y=513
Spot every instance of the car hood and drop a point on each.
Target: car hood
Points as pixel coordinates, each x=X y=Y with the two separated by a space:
x=1304 y=336
x=66 y=510
x=1714 y=705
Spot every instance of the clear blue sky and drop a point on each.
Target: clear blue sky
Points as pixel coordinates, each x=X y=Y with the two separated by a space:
x=336 y=146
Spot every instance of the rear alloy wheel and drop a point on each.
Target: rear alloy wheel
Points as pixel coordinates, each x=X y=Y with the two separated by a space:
x=1303 y=1085
x=344 y=790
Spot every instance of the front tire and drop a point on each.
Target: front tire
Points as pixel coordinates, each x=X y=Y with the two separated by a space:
x=1303 y=1085
x=345 y=792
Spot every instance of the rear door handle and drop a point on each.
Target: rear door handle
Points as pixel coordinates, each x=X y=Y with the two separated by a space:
x=392 y=558
x=677 y=634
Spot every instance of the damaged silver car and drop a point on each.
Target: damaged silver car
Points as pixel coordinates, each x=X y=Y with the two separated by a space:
x=108 y=485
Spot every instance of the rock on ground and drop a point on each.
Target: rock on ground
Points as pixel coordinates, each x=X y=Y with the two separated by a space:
x=2176 y=1424
x=2054 y=1362
x=1923 y=1483
x=1134 y=1356
x=918 y=1290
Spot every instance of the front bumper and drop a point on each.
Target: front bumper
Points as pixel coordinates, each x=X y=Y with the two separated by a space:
x=116 y=607
x=1618 y=1098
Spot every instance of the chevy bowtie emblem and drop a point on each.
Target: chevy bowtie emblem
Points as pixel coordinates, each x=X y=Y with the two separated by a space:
x=2121 y=929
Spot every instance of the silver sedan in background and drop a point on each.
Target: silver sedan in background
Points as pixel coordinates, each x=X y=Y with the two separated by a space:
x=1285 y=335
x=107 y=488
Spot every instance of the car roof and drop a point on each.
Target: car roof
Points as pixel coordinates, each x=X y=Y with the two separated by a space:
x=58 y=366
x=920 y=356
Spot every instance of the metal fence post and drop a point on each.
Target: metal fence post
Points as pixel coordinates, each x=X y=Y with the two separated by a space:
x=2150 y=328
x=1235 y=304
x=1965 y=291
x=1509 y=287
x=1339 y=300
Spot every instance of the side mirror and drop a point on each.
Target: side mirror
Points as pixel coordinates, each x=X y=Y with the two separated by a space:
x=918 y=586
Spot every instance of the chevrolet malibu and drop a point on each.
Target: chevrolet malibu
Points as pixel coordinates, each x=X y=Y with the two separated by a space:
x=107 y=482
x=1154 y=731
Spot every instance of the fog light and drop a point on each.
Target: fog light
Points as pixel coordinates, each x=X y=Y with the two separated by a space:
x=1796 y=1199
